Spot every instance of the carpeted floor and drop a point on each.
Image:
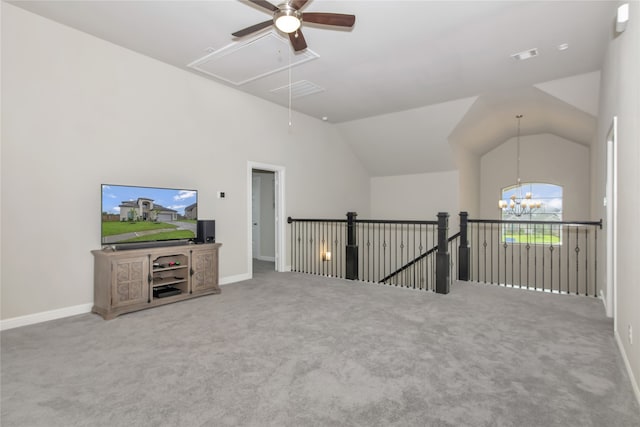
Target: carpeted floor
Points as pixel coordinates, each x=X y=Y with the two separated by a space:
x=287 y=349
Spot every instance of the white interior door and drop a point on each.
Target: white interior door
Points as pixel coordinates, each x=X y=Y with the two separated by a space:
x=255 y=216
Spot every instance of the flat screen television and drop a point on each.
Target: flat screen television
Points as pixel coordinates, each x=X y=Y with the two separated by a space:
x=147 y=216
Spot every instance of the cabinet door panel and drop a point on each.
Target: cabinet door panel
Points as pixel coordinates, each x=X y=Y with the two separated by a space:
x=205 y=271
x=130 y=284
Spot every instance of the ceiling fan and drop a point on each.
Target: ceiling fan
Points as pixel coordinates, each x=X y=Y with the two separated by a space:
x=288 y=18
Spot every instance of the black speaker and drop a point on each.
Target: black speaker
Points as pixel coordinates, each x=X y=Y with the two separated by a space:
x=206 y=231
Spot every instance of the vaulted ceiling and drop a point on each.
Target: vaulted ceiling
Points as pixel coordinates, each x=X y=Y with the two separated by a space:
x=402 y=61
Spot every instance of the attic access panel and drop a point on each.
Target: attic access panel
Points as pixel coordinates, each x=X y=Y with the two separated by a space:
x=241 y=63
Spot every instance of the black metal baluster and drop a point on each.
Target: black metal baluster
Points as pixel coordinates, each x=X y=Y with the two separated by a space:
x=395 y=247
x=341 y=253
x=300 y=249
x=403 y=277
x=519 y=256
x=493 y=236
x=368 y=276
x=535 y=257
x=595 y=262
x=568 y=260
x=484 y=250
x=470 y=242
x=314 y=247
x=413 y=268
x=304 y=247
x=577 y=261
x=310 y=262
x=551 y=258
x=384 y=250
x=528 y=248
x=506 y=247
x=586 y=262
x=419 y=269
x=379 y=251
x=294 y=249
x=513 y=279
x=374 y=229
x=300 y=243
x=433 y=257
x=560 y=243
x=499 y=233
x=478 y=251
x=323 y=248
x=361 y=247
x=543 y=257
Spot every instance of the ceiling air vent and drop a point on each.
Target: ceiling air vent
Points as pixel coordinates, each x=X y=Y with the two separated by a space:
x=298 y=89
x=525 y=54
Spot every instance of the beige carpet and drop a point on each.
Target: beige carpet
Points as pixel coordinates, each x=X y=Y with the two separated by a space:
x=288 y=349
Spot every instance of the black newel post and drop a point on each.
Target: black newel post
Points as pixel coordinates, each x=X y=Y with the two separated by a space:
x=352 y=248
x=442 y=256
x=464 y=252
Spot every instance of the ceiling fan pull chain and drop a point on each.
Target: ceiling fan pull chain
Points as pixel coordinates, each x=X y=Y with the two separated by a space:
x=289 y=51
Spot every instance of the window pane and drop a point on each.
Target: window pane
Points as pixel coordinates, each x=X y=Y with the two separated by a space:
x=550 y=196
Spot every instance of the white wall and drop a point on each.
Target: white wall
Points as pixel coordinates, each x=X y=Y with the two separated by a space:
x=407 y=142
x=415 y=197
x=620 y=96
x=78 y=111
x=468 y=164
x=543 y=158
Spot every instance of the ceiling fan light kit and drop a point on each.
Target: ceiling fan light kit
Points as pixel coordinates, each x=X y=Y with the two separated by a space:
x=288 y=19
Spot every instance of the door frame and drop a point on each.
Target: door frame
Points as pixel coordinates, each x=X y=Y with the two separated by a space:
x=611 y=202
x=255 y=191
x=280 y=220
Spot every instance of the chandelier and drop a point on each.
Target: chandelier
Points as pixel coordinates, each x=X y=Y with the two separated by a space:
x=518 y=204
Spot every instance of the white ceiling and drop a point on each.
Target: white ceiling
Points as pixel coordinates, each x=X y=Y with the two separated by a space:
x=399 y=56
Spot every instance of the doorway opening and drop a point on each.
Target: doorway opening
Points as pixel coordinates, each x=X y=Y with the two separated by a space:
x=266 y=218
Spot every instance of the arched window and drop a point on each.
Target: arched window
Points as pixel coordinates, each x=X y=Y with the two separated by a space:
x=550 y=198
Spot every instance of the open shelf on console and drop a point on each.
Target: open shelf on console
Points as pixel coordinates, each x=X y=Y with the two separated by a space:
x=170 y=275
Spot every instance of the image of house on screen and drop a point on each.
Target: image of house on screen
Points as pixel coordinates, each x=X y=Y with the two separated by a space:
x=191 y=211
x=143 y=209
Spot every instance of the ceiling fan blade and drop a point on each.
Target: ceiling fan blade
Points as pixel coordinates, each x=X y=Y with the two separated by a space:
x=253 y=28
x=265 y=4
x=297 y=41
x=337 y=19
x=298 y=4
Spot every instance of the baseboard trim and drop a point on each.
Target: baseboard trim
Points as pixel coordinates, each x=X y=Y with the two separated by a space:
x=266 y=258
x=44 y=316
x=604 y=300
x=237 y=278
x=634 y=383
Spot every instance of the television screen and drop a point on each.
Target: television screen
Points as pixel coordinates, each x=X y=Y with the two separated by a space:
x=147 y=214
